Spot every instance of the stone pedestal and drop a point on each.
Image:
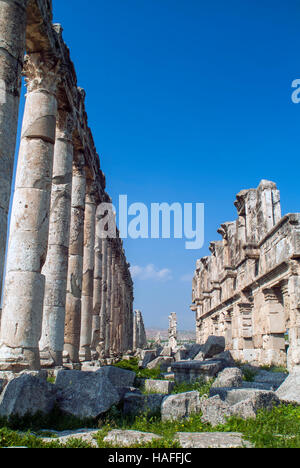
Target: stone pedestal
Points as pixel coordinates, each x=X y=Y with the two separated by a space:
x=12 y=47
x=56 y=266
x=24 y=285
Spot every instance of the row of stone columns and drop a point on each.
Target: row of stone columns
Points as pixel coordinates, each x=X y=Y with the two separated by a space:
x=68 y=292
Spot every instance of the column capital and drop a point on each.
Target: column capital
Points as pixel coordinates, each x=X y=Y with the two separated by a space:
x=42 y=72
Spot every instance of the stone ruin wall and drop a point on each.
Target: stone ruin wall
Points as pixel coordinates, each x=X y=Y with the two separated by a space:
x=68 y=293
x=248 y=290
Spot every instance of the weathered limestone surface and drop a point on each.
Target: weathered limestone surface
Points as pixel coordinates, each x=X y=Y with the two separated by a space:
x=127 y=438
x=218 y=440
x=173 y=331
x=12 y=47
x=21 y=323
x=75 y=270
x=56 y=266
x=60 y=288
x=248 y=290
x=139 y=332
x=88 y=273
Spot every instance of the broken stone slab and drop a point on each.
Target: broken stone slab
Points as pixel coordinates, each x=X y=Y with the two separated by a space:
x=274 y=378
x=289 y=391
x=226 y=356
x=163 y=362
x=85 y=394
x=229 y=377
x=233 y=396
x=192 y=350
x=180 y=406
x=189 y=371
x=181 y=355
x=214 y=345
x=214 y=411
x=159 y=386
x=27 y=394
x=259 y=386
x=117 y=376
x=127 y=438
x=211 y=440
x=147 y=356
x=86 y=435
x=134 y=404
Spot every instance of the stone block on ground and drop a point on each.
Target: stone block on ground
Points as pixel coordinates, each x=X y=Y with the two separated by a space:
x=214 y=345
x=27 y=394
x=146 y=357
x=180 y=406
x=233 y=396
x=229 y=377
x=192 y=350
x=215 y=411
x=86 y=435
x=85 y=394
x=211 y=440
x=162 y=361
x=118 y=377
x=126 y=438
x=159 y=386
x=289 y=391
x=274 y=378
x=134 y=404
x=189 y=371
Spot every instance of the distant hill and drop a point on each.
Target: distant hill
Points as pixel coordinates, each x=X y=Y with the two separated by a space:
x=182 y=335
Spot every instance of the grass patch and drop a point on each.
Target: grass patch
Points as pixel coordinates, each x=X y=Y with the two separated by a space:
x=133 y=365
x=278 y=428
x=200 y=386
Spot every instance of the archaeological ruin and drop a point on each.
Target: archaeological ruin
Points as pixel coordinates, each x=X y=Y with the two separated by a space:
x=68 y=292
x=248 y=290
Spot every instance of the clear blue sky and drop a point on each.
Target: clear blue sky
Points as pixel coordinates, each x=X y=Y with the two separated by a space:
x=188 y=101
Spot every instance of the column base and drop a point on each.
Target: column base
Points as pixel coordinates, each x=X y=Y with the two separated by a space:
x=50 y=358
x=85 y=354
x=19 y=359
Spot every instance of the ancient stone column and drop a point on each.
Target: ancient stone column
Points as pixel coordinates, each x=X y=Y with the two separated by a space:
x=24 y=285
x=173 y=331
x=88 y=272
x=113 y=289
x=108 y=299
x=75 y=269
x=56 y=266
x=102 y=347
x=12 y=47
x=97 y=297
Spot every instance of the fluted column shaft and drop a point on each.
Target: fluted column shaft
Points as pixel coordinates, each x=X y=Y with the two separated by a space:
x=75 y=269
x=24 y=285
x=12 y=47
x=56 y=266
x=88 y=274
